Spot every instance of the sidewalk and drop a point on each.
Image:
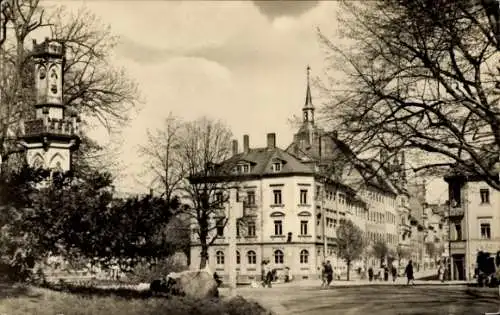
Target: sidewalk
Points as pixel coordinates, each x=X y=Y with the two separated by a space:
x=419 y=276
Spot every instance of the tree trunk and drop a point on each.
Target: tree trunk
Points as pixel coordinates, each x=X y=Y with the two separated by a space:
x=204 y=245
x=348 y=269
x=204 y=256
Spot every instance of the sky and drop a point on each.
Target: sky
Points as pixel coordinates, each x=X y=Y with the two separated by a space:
x=241 y=62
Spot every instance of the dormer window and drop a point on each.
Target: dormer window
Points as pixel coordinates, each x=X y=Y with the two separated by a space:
x=242 y=168
x=277 y=167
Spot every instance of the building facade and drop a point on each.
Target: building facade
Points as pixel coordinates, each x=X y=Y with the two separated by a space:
x=296 y=199
x=474 y=222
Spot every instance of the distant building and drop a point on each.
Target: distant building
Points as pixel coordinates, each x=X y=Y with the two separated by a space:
x=295 y=201
x=474 y=221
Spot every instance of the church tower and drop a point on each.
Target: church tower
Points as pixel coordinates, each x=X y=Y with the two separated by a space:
x=308 y=110
x=51 y=136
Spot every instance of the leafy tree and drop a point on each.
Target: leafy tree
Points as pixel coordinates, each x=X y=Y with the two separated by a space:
x=402 y=253
x=418 y=76
x=350 y=243
x=78 y=218
x=380 y=250
x=431 y=249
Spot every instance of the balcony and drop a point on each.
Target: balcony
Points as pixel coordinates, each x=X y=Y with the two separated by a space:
x=58 y=127
x=249 y=209
x=455 y=212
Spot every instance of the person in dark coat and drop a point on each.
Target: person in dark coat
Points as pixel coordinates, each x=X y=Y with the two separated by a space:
x=370 y=274
x=386 y=273
x=329 y=273
x=394 y=272
x=409 y=273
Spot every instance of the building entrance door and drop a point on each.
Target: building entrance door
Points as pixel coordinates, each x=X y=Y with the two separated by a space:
x=459 y=267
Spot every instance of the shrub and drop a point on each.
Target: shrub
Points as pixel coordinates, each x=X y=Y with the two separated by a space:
x=145 y=272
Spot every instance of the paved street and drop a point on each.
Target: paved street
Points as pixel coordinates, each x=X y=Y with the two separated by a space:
x=396 y=299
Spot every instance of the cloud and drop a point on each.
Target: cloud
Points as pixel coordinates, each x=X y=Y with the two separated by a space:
x=274 y=9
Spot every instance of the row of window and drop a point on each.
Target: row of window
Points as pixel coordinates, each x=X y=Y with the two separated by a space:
x=381 y=217
x=278 y=257
x=484 y=229
x=386 y=237
x=245 y=168
x=250 y=228
x=455 y=195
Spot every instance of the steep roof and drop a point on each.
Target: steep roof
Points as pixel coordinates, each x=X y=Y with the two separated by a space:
x=262 y=160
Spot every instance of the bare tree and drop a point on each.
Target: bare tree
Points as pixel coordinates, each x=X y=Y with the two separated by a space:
x=164 y=161
x=418 y=76
x=92 y=87
x=5 y=7
x=206 y=143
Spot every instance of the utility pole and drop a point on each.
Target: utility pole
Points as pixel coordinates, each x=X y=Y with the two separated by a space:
x=234 y=212
x=323 y=213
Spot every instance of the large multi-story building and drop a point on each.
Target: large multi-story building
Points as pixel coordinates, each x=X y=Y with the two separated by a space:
x=295 y=200
x=474 y=222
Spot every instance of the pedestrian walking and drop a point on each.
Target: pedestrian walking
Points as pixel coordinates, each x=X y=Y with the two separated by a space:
x=394 y=272
x=386 y=273
x=441 y=273
x=370 y=274
x=266 y=273
x=323 y=274
x=328 y=273
x=409 y=273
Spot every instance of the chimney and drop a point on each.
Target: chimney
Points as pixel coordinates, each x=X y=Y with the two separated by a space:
x=235 y=147
x=246 y=143
x=271 y=140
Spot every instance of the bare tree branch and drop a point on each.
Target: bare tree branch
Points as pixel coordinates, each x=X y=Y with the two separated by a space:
x=418 y=76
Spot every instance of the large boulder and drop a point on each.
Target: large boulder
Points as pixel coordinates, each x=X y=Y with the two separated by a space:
x=198 y=284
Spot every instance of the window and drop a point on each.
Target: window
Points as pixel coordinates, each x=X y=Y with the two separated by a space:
x=252 y=257
x=278 y=227
x=304 y=256
x=303 y=227
x=278 y=257
x=458 y=229
x=246 y=168
x=220 y=227
x=485 y=231
x=219 y=256
x=251 y=228
x=277 y=196
x=485 y=195
x=277 y=167
x=303 y=196
x=238 y=223
x=251 y=197
x=238 y=257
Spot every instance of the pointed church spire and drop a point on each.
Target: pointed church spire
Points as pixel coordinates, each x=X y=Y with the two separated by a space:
x=308 y=109
x=308 y=103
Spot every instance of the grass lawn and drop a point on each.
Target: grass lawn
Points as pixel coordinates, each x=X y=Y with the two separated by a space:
x=16 y=300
